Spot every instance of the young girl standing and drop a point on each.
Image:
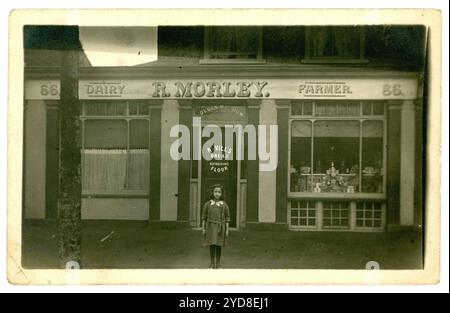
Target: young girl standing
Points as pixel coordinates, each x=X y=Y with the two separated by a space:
x=215 y=223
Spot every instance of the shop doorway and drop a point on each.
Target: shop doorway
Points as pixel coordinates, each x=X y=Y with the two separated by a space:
x=222 y=171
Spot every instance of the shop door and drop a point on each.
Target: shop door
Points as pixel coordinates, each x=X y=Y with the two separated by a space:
x=224 y=172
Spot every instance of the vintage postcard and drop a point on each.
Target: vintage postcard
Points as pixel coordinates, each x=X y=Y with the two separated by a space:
x=224 y=147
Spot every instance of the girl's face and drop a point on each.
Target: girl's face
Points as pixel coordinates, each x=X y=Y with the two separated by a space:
x=217 y=193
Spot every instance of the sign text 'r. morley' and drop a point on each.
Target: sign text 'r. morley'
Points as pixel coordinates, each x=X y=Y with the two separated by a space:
x=211 y=89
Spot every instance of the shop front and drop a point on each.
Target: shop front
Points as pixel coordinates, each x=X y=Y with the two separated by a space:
x=338 y=164
x=345 y=148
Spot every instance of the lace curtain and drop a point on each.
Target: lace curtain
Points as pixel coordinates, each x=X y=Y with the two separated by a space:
x=234 y=42
x=335 y=42
x=115 y=170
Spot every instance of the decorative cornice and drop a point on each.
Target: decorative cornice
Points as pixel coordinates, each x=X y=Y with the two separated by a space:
x=185 y=104
x=155 y=103
x=253 y=104
x=395 y=105
x=220 y=72
x=283 y=104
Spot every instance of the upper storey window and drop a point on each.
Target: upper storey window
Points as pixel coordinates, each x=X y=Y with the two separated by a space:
x=233 y=44
x=334 y=44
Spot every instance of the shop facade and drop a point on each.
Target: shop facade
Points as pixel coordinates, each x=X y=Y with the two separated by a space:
x=348 y=144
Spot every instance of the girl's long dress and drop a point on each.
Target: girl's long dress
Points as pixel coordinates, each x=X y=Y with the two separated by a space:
x=215 y=214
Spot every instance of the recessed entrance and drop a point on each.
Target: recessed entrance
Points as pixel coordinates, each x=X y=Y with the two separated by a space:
x=219 y=170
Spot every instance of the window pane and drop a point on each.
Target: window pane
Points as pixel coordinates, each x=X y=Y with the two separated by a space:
x=138 y=169
x=335 y=41
x=378 y=108
x=297 y=108
x=353 y=109
x=234 y=42
x=372 y=157
x=121 y=108
x=107 y=134
x=367 y=108
x=139 y=155
x=143 y=109
x=300 y=169
x=301 y=108
x=139 y=134
x=95 y=108
x=332 y=108
x=342 y=109
x=307 y=108
x=111 y=108
x=336 y=156
x=346 y=41
x=104 y=169
x=133 y=108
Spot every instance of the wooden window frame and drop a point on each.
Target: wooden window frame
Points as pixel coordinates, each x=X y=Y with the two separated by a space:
x=361 y=119
x=126 y=193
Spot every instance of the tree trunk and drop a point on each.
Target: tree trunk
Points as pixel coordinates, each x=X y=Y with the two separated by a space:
x=69 y=200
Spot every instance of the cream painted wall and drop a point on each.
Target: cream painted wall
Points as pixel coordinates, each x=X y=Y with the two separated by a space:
x=407 y=163
x=267 y=180
x=114 y=209
x=169 y=167
x=35 y=149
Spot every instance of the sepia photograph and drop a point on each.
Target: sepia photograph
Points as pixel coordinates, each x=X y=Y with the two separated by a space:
x=224 y=146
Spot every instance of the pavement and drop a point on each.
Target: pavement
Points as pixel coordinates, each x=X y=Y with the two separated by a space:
x=140 y=247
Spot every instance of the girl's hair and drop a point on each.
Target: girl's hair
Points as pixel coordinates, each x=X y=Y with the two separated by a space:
x=211 y=195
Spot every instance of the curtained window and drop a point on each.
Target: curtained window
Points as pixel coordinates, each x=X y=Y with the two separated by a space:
x=115 y=147
x=334 y=43
x=231 y=42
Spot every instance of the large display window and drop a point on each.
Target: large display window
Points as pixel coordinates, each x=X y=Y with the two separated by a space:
x=337 y=147
x=115 y=147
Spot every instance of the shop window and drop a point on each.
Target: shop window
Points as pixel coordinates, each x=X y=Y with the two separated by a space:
x=303 y=108
x=232 y=43
x=301 y=139
x=336 y=214
x=329 y=154
x=372 y=160
x=369 y=214
x=105 y=134
x=115 y=147
x=334 y=44
x=138 y=108
x=303 y=213
x=373 y=108
x=332 y=108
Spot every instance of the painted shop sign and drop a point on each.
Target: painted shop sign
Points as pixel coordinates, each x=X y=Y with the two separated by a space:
x=42 y=89
x=352 y=88
x=220 y=156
